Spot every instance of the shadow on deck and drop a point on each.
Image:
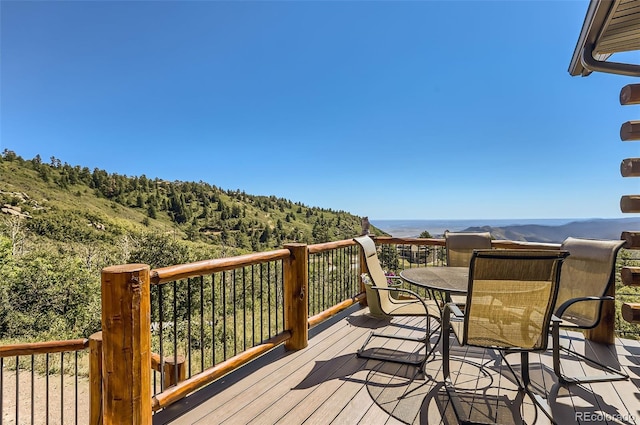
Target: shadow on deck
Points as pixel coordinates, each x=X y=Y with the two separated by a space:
x=326 y=383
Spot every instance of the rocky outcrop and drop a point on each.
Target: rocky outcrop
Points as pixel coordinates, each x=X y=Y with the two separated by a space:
x=15 y=211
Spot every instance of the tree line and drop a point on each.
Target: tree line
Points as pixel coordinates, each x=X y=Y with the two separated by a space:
x=69 y=222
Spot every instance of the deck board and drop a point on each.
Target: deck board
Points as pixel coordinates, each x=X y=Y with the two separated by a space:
x=326 y=383
x=259 y=395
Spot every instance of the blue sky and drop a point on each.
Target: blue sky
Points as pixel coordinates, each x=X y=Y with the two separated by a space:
x=392 y=110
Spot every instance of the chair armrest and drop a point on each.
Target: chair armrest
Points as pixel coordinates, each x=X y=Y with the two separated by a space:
x=407 y=291
x=453 y=308
x=399 y=280
x=448 y=310
x=565 y=305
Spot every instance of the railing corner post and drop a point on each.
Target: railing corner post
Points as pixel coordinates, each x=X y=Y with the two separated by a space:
x=296 y=295
x=604 y=333
x=126 y=344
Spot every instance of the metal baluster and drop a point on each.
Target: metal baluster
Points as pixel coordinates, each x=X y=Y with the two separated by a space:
x=281 y=297
x=1 y=388
x=213 y=319
x=253 y=306
x=323 y=282
x=269 y=295
x=17 y=389
x=62 y=387
x=32 y=389
x=175 y=320
x=262 y=303
x=201 y=324
x=76 y=388
x=47 y=385
x=224 y=316
x=234 y=300
x=244 y=309
x=175 y=353
x=160 y=333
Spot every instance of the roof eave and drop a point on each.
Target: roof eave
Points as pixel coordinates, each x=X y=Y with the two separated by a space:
x=591 y=27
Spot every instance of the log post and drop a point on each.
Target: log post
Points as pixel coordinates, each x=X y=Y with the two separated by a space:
x=630 y=94
x=630 y=276
x=631 y=312
x=630 y=204
x=175 y=368
x=630 y=131
x=95 y=379
x=605 y=332
x=296 y=296
x=126 y=344
x=632 y=239
x=630 y=167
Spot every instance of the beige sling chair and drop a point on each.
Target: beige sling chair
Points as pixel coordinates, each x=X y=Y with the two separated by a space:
x=460 y=246
x=509 y=306
x=586 y=277
x=413 y=305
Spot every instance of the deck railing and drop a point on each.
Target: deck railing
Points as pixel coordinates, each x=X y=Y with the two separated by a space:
x=217 y=332
x=213 y=314
x=168 y=332
x=44 y=383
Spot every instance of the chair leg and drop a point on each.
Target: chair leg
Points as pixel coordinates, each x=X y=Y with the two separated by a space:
x=420 y=362
x=611 y=375
x=446 y=350
x=526 y=382
x=523 y=385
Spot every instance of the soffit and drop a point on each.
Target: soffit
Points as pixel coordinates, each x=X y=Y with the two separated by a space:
x=609 y=27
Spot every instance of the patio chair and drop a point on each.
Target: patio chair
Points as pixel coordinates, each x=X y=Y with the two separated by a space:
x=460 y=246
x=509 y=307
x=411 y=305
x=586 y=277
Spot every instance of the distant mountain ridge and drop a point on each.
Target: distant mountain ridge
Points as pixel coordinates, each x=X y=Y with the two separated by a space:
x=593 y=228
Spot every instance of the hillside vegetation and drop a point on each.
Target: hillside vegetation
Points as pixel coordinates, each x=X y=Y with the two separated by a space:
x=61 y=224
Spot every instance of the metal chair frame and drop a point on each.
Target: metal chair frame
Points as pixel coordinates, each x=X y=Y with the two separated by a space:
x=452 y=311
x=413 y=306
x=605 y=252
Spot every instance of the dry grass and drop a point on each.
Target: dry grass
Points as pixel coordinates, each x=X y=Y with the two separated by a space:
x=40 y=400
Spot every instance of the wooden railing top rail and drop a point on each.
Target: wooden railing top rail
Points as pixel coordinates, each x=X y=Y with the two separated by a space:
x=524 y=245
x=389 y=240
x=206 y=267
x=328 y=246
x=26 y=349
x=383 y=240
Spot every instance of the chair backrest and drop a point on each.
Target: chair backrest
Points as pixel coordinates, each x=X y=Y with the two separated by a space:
x=460 y=246
x=511 y=298
x=589 y=271
x=376 y=274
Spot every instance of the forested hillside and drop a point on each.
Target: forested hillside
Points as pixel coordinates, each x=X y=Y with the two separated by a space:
x=61 y=224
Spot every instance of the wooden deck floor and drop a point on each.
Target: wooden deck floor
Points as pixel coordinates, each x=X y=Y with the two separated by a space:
x=326 y=383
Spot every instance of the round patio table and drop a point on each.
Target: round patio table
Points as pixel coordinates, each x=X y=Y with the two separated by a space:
x=450 y=280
